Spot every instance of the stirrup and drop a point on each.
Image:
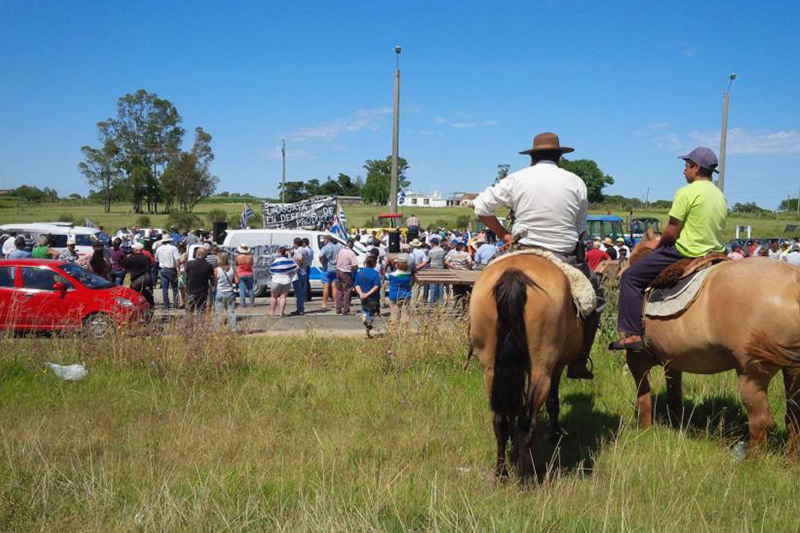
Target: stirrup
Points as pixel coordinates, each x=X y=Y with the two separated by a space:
x=618 y=345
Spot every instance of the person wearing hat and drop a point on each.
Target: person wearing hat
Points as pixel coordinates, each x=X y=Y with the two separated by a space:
x=167 y=257
x=620 y=245
x=596 y=255
x=137 y=266
x=69 y=255
x=696 y=220
x=549 y=205
x=244 y=270
x=484 y=253
x=608 y=247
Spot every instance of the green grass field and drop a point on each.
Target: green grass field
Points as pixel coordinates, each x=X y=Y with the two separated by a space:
x=319 y=434
x=357 y=216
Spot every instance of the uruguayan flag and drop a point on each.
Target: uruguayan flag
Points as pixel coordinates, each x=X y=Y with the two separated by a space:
x=246 y=214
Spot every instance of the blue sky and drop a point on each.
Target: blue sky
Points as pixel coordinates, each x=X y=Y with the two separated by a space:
x=628 y=84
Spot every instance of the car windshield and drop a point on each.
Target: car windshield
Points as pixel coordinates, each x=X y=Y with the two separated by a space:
x=89 y=279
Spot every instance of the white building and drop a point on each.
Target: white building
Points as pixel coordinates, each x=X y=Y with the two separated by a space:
x=417 y=199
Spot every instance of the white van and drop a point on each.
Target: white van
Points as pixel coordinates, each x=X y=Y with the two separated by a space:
x=265 y=244
x=58 y=232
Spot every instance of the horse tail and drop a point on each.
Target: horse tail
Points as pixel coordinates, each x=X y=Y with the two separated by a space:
x=512 y=365
x=765 y=349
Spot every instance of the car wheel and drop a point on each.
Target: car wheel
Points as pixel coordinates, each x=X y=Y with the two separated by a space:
x=98 y=325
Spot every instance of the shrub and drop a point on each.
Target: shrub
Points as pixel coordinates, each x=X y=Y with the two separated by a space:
x=183 y=221
x=217 y=215
x=462 y=221
x=143 y=221
x=66 y=217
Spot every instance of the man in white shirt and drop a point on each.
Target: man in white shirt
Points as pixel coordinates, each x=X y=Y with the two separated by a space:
x=550 y=206
x=167 y=257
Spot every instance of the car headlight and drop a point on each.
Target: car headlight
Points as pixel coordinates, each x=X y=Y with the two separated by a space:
x=124 y=302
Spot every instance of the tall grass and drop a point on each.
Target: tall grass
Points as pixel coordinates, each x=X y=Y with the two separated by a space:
x=193 y=430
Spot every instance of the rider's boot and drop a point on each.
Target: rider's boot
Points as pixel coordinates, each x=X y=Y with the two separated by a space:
x=581 y=368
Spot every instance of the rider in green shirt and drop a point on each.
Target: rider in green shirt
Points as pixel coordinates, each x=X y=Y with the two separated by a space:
x=696 y=221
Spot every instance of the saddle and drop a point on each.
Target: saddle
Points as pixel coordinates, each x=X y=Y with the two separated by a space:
x=678 y=285
x=683 y=268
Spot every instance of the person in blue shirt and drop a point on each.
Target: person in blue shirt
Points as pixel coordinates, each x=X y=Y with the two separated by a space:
x=400 y=281
x=327 y=256
x=485 y=252
x=19 y=251
x=368 y=286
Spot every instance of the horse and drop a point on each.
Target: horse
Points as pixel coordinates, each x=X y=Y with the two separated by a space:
x=746 y=318
x=524 y=329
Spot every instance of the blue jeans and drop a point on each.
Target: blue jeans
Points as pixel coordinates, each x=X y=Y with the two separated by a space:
x=169 y=276
x=300 y=293
x=435 y=293
x=225 y=302
x=118 y=277
x=245 y=289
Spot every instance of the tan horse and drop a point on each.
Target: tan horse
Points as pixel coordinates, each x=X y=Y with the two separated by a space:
x=524 y=329
x=747 y=319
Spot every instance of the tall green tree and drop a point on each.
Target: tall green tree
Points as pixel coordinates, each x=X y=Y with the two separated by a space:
x=502 y=173
x=378 y=185
x=187 y=178
x=101 y=166
x=594 y=178
x=148 y=135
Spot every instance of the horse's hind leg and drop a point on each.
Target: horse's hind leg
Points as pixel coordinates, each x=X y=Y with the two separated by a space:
x=530 y=437
x=753 y=387
x=792 y=385
x=640 y=365
x=674 y=396
x=554 y=407
x=502 y=431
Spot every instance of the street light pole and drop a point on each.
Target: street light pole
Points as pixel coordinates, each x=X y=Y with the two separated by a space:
x=395 y=128
x=723 y=139
x=283 y=171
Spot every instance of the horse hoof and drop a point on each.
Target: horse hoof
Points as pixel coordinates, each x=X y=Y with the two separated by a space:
x=739 y=452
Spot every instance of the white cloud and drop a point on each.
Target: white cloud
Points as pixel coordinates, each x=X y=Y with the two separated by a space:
x=489 y=123
x=363 y=119
x=743 y=142
x=658 y=126
x=440 y=120
x=461 y=125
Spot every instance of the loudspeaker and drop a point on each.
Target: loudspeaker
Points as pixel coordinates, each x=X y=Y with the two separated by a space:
x=394 y=242
x=219 y=231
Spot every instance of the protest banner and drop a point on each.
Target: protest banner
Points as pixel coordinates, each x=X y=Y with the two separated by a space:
x=317 y=214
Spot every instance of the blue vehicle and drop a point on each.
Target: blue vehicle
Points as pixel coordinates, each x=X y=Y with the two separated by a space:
x=604 y=226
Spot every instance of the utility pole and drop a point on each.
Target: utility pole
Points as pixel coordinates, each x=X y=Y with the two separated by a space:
x=283 y=171
x=395 y=128
x=723 y=139
x=647 y=198
x=798 y=201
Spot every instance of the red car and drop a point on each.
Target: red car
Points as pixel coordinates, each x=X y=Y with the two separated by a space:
x=47 y=295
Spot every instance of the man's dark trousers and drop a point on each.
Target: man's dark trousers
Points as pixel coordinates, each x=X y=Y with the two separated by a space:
x=634 y=282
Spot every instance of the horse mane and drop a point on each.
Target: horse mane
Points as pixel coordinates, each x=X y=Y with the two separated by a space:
x=644 y=247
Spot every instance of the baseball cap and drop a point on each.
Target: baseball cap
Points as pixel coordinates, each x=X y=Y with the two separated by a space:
x=705 y=157
x=70 y=240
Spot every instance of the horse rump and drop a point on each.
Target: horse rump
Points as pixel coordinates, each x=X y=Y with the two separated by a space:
x=764 y=349
x=512 y=359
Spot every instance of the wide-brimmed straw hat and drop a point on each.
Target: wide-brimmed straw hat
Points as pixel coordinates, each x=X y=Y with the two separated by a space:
x=415 y=243
x=547 y=141
x=243 y=249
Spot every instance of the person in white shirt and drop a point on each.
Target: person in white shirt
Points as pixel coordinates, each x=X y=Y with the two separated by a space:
x=794 y=256
x=622 y=246
x=550 y=206
x=167 y=257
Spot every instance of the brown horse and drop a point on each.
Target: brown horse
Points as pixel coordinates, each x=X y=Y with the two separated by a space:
x=525 y=330
x=747 y=319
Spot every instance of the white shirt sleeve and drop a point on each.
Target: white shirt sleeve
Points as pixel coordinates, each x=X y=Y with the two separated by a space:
x=583 y=209
x=493 y=197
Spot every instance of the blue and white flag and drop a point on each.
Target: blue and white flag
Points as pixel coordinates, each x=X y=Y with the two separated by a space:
x=337 y=228
x=89 y=223
x=343 y=221
x=401 y=198
x=246 y=214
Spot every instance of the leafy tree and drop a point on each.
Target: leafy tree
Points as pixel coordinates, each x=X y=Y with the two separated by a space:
x=377 y=188
x=295 y=191
x=143 y=221
x=102 y=166
x=187 y=179
x=591 y=174
x=502 y=173
x=217 y=215
x=35 y=195
x=148 y=135
x=790 y=204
